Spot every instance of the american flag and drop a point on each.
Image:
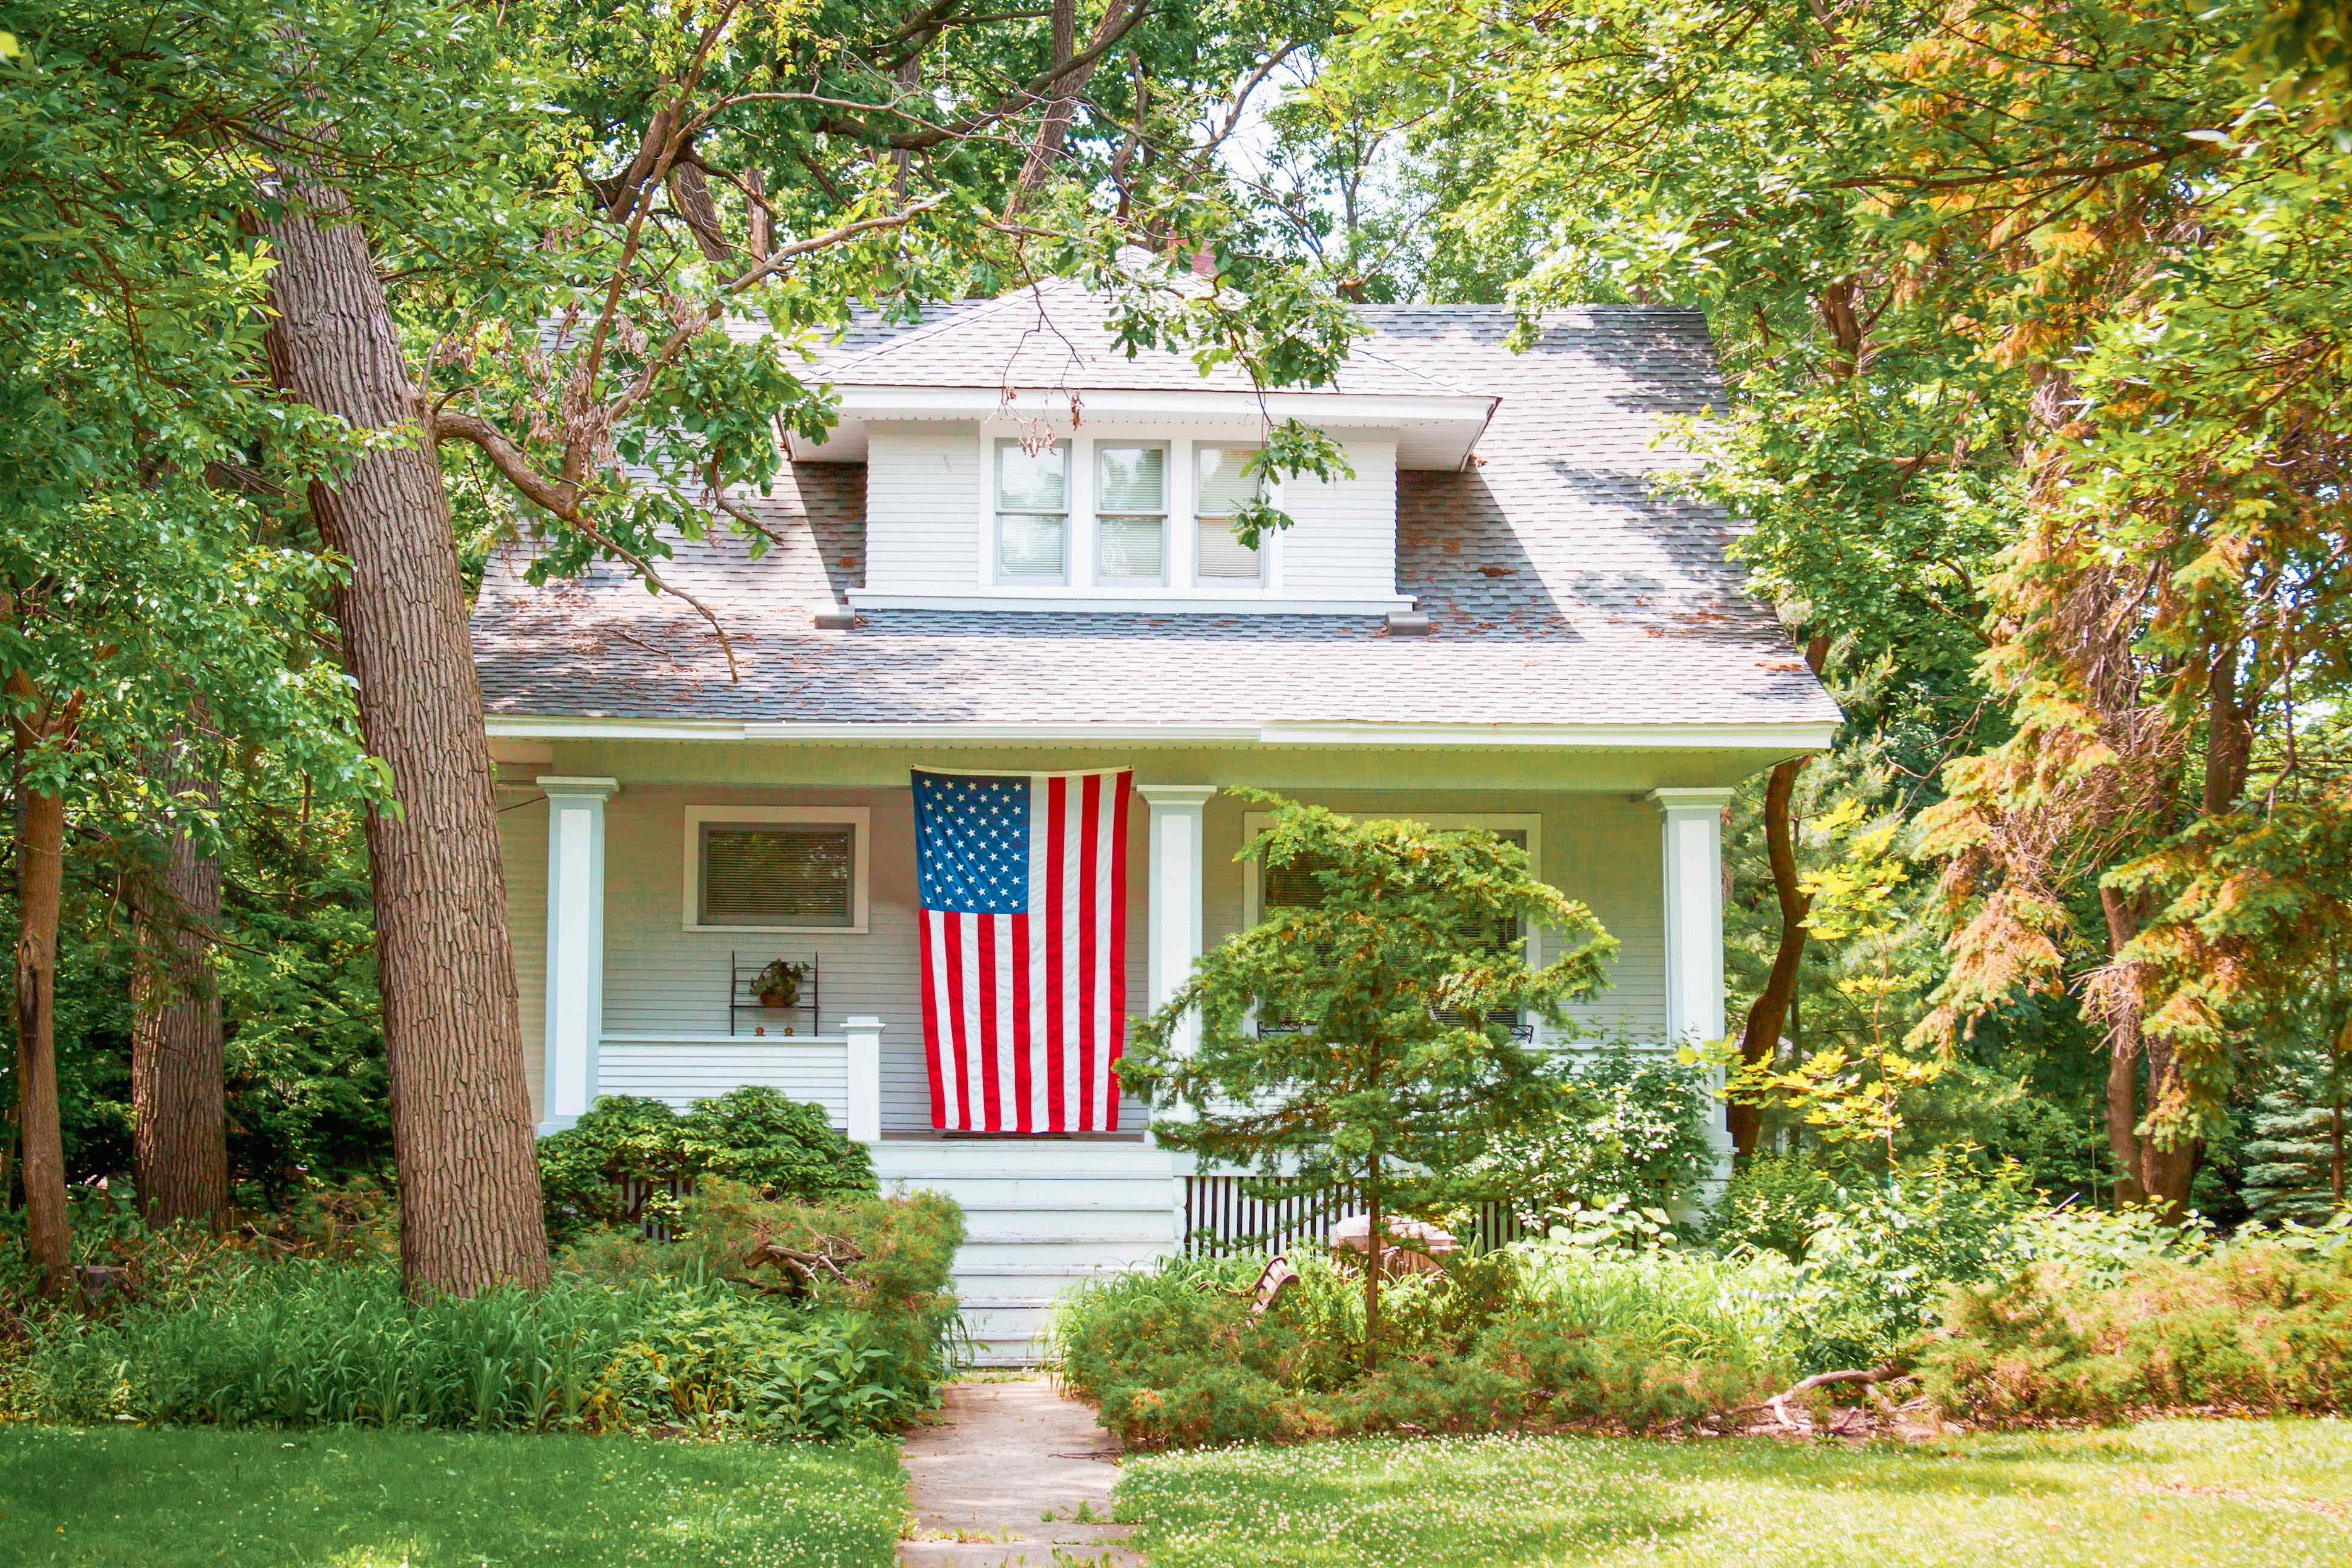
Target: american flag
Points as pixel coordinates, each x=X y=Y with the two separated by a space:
x=1023 y=879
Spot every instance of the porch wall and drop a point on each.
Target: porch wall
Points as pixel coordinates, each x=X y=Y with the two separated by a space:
x=660 y=978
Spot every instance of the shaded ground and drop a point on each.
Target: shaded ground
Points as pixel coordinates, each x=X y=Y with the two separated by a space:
x=114 y=1497
x=2217 y=1494
x=1013 y=1476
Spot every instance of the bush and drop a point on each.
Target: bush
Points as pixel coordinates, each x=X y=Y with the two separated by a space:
x=1770 y=1202
x=1541 y=1335
x=2263 y=1326
x=901 y=1251
x=303 y=1344
x=1632 y=1126
x=779 y=1147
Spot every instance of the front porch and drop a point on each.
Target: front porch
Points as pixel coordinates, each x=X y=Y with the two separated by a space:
x=631 y=987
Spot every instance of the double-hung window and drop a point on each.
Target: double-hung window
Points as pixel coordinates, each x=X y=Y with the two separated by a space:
x=775 y=868
x=1032 y=512
x=1131 y=511
x=1224 y=489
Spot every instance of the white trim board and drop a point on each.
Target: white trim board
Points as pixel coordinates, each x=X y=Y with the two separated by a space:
x=858 y=817
x=1807 y=736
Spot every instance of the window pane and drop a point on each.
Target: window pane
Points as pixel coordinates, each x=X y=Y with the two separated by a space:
x=1223 y=558
x=1133 y=547
x=1029 y=546
x=1032 y=481
x=1130 y=479
x=1292 y=884
x=1224 y=489
x=781 y=875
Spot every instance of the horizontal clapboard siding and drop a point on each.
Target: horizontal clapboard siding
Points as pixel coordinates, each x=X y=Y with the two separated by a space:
x=813 y=1070
x=922 y=507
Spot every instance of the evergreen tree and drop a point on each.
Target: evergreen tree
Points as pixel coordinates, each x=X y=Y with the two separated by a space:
x=2294 y=1161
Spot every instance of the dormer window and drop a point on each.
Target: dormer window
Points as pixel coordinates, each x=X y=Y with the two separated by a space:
x=1032 y=512
x=1224 y=489
x=1131 y=512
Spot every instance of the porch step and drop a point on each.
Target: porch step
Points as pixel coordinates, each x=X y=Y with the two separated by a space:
x=1040 y=1218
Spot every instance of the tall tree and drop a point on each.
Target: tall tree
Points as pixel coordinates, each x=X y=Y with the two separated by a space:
x=178 y=1084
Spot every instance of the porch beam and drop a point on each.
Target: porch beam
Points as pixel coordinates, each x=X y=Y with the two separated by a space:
x=575 y=944
x=1693 y=863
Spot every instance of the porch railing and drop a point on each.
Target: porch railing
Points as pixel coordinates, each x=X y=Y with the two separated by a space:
x=1221 y=1218
x=841 y=1073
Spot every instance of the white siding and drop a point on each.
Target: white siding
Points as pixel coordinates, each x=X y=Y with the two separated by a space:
x=1342 y=535
x=922 y=507
x=522 y=844
x=683 y=1071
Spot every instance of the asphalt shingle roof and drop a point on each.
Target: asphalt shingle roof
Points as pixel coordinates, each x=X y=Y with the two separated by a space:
x=1563 y=588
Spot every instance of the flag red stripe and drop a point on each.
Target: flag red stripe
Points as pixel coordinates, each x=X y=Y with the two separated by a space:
x=953 y=930
x=1116 y=1024
x=931 y=1041
x=1021 y=1063
x=989 y=1043
x=1057 y=798
x=1090 y=938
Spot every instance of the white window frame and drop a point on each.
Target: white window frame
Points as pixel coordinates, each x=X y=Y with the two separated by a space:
x=992 y=493
x=1167 y=516
x=1081 y=585
x=1257 y=822
x=859 y=818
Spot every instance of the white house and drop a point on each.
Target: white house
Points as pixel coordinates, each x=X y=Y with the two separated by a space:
x=1013 y=555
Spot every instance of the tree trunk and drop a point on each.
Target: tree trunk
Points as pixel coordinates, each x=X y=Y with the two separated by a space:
x=462 y=1145
x=179 y=1126
x=2123 y=1066
x=1063 y=107
x=1767 y=1016
x=2166 y=1173
x=40 y=894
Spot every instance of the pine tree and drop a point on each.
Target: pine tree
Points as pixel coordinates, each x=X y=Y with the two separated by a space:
x=2296 y=1160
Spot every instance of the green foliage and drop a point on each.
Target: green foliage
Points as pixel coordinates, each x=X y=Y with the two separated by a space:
x=1627 y=1124
x=896 y=1252
x=1554 y=1334
x=780 y=1147
x=1395 y=1064
x=303 y=1344
x=2263 y=1326
x=297 y=1499
x=2295 y=1158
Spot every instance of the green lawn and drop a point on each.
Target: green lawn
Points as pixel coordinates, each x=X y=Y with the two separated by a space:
x=113 y=1498
x=2175 y=1494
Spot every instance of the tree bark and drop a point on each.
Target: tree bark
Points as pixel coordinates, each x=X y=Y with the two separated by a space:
x=2228 y=739
x=1063 y=107
x=1769 y=1014
x=40 y=896
x=179 y=1124
x=1372 y=1265
x=2123 y=1065
x=462 y=1141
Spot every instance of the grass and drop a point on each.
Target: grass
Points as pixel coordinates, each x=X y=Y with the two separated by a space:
x=349 y=1499
x=2165 y=1494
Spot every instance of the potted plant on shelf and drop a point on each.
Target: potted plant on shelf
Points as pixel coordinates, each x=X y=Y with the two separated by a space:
x=778 y=985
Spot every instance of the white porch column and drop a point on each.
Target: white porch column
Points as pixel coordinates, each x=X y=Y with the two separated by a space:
x=1177 y=858
x=865 y=1110
x=1694 y=877
x=575 y=944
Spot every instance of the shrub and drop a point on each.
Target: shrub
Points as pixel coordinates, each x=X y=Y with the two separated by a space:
x=2263 y=1326
x=1630 y=1123
x=303 y=1344
x=1537 y=1335
x=899 y=1252
x=754 y=1135
x=1770 y=1202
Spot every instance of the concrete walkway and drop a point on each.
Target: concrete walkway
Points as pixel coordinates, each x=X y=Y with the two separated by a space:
x=1013 y=1475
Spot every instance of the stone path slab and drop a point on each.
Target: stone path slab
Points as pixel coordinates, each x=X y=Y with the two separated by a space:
x=1013 y=1476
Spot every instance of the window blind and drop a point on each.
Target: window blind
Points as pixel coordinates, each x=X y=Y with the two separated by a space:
x=787 y=875
x=1225 y=489
x=1031 y=510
